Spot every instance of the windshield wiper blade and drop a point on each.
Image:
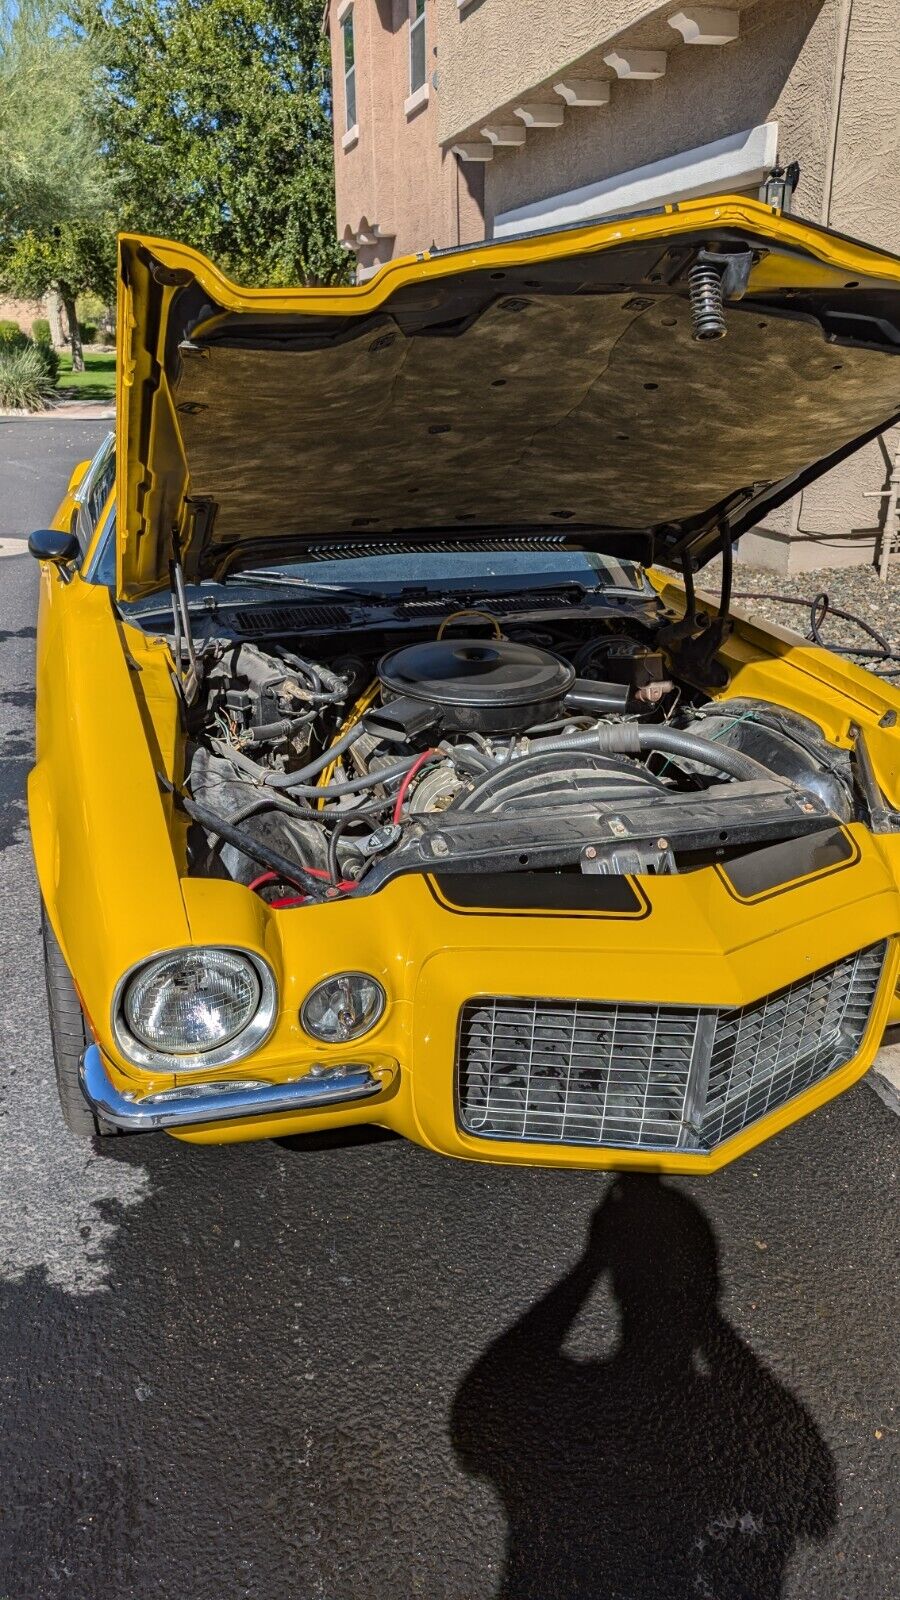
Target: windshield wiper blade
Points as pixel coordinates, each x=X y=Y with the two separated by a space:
x=261 y=579
x=407 y=595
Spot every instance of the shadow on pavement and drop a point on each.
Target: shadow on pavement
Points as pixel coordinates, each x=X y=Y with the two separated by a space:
x=676 y=1466
x=254 y=1403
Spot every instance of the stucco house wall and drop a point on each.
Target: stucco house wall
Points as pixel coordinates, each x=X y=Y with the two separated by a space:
x=821 y=76
x=397 y=189
x=24 y=312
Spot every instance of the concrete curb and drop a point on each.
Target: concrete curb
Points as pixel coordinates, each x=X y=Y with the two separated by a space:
x=68 y=410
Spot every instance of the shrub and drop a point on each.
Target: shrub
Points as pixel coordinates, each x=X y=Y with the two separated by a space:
x=24 y=380
x=49 y=357
x=40 y=330
x=12 y=339
x=11 y=335
x=88 y=331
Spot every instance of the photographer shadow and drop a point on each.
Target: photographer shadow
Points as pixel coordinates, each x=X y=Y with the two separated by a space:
x=678 y=1466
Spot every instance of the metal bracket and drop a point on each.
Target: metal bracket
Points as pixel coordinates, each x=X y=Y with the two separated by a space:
x=733 y=268
x=382 y=839
x=623 y=860
x=778 y=189
x=882 y=819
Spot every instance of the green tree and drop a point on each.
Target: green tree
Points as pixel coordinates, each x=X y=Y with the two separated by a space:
x=70 y=258
x=216 y=121
x=56 y=228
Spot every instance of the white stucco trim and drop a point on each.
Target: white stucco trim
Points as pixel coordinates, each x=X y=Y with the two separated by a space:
x=540 y=116
x=736 y=162
x=343 y=8
x=583 y=91
x=638 y=64
x=473 y=150
x=706 y=24
x=350 y=138
x=415 y=101
x=506 y=133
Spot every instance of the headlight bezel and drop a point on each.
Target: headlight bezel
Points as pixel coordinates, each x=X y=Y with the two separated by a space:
x=250 y=1038
x=348 y=1038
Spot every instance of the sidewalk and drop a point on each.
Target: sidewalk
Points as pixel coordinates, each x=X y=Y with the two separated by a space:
x=69 y=410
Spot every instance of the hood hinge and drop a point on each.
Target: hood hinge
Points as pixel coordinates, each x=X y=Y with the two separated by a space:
x=190 y=677
x=692 y=643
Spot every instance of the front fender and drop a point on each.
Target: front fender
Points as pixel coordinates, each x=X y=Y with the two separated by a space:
x=100 y=831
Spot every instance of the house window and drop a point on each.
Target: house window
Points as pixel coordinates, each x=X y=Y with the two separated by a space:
x=416 y=45
x=349 y=69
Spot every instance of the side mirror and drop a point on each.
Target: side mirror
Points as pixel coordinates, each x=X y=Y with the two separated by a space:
x=51 y=544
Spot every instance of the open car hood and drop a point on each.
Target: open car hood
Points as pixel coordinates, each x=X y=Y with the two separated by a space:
x=550 y=383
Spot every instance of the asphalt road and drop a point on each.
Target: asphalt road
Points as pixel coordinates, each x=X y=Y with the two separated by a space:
x=368 y=1374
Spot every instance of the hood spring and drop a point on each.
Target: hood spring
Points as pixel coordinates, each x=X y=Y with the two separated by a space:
x=707 y=307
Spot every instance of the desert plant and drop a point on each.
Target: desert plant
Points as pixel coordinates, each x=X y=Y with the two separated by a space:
x=24 y=380
x=40 y=330
x=49 y=358
x=12 y=338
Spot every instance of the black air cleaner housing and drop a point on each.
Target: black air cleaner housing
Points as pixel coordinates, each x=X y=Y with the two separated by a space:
x=481 y=685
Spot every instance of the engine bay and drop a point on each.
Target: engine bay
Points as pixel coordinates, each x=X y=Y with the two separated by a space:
x=485 y=744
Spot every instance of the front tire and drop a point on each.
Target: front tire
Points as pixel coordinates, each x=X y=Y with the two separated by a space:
x=69 y=1038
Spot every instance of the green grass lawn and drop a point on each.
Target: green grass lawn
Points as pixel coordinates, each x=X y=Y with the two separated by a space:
x=97 y=382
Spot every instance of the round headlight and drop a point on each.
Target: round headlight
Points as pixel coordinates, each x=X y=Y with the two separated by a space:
x=196 y=1007
x=343 y=1007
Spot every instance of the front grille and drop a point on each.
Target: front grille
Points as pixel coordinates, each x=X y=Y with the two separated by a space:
x=655 y=1077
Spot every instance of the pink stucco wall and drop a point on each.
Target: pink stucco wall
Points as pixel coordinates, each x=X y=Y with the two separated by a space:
x=395 y=178
x=826 y=71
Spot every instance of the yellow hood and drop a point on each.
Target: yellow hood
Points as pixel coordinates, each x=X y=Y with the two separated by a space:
x=547 y=383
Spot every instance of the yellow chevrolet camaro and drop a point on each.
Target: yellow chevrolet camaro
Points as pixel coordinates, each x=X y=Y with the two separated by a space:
x=383 y=774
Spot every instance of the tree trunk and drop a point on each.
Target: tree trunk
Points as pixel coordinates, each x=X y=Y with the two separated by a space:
x=54 y=317
x=68 y=300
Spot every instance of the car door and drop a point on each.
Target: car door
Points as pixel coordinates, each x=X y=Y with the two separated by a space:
x=92 y=495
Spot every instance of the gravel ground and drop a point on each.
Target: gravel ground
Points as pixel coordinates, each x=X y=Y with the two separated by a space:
x=856 y=589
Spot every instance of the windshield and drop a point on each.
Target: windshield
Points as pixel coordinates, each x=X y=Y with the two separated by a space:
x=453 y=569
x=390 y=576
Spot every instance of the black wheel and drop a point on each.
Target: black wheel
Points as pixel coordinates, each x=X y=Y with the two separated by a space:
x=69 y=1037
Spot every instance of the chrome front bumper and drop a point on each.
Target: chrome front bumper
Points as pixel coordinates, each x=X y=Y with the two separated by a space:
x=192 y=1103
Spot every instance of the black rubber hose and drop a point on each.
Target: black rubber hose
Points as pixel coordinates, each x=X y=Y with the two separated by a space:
x=261 y=853
x=271 y=732
x=368 y=780
x=819 y=607
x=268 y=802
x=289 y=780
x=306 y=813
x=636 y=739
x=331 y=860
